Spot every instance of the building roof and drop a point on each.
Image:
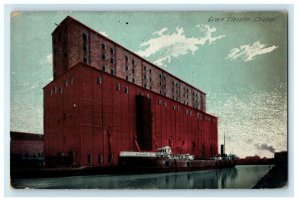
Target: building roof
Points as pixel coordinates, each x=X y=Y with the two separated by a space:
x=15 y=136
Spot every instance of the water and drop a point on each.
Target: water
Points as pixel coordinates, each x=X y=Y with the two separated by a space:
x=241 y=176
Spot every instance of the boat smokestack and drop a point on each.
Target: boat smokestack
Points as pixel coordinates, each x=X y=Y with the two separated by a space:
x=222 y=150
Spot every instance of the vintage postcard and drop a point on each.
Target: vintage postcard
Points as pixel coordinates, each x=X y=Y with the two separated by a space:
x=149 y=100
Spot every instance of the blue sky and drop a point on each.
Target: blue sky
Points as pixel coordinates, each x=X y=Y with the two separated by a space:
x=241 y=65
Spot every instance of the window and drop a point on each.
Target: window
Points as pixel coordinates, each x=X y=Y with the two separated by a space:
x=66 y=83
x=145 y=85
x=103 y=46
x=85 y=37
x=119 y=87
x=150 y=87
x=100 y=159
x=132 y=61
x=99 y=80
x=110 y=158
x=127 y=78
x=126 y=58
x=112 y=60
x=61 y=89
x=112 y=71
x=55 y=89
x=71 y=80
x=85 y=60
x=133 y=71
x=126 y=89
x=126 y=67
x=112 y=50
x=150 y=71
x=133 y=80
x=103 y=57
x=89 y=158
x=103 y=67
x=51 y=92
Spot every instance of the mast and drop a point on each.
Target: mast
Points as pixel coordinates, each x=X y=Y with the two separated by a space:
x=224 y=143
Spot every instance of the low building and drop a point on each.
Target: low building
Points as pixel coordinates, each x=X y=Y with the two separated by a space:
x=26 y=149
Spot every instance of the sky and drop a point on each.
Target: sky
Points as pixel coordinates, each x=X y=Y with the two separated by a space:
x=239 y=59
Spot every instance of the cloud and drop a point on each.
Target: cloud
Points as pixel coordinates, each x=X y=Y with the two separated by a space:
x=265 y=147
x=47 y=60
x=165 y=46
x=249 y=52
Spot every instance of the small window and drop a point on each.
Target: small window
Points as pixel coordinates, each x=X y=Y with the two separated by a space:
x=55 y=89
x=66 y=83
x=127 y=78
x=110 y=158
x=133 y=71
x=132 y=61
x=165 y=104
x=51 y=92
x=103 y=57
x=61 y=89
x=89 y=158
x=100 y=159
x=103 y=67
x=99 y=80
x=126 y=58
x=133 y=80
x=126 y=67
x=112 y=50
x=112 y=71
x=126 y=89
x=71 y=80
x=112 y=60
x=150 y=87
x=85 y=60
x=84 y=36
x=145 y=85
x=174 y=107
x=144 y=68
x=119 y=87
x=103 y=46
x=150 y=71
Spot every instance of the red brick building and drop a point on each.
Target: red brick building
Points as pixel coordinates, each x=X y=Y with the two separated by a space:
x=26 y=149
x=105 y=99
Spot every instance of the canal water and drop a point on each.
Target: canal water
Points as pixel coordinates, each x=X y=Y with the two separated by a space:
x=241 y=177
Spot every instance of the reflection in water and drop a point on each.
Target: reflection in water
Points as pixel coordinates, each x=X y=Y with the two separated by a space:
x=238 y=177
